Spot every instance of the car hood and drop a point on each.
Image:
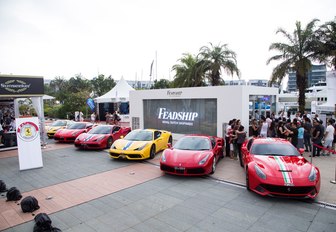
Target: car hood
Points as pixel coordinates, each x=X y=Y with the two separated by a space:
x=53 y=128
x=90 y=137
x=69 y=131
x=122 y=144
x=282 y=166
x=176 y=156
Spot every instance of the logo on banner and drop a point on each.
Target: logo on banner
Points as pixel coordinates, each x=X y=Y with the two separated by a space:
x=15 y=86
x=27 y=131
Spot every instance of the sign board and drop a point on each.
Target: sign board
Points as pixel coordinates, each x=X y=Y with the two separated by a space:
x=29 y=145
x=19 y=86
x=192 y=116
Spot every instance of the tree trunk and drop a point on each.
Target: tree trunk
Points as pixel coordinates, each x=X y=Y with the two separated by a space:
x=301 y=83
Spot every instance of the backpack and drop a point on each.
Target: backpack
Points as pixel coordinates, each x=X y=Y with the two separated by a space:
x=13 y=194
x=43 y=224
x=3 y=187
x=29 y=204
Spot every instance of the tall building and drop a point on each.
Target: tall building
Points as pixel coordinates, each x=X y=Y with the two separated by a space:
x=316 y=74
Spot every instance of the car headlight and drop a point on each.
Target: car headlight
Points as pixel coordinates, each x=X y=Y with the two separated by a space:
x=113 y=146
x=204 y=159
x=140 y=148
x=259 y=172
x=163 y=157
x=312 y=175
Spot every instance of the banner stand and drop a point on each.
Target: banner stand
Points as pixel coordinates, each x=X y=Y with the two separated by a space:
x=29 y=144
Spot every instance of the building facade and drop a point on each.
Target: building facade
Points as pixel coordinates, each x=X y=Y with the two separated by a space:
x=316 y=74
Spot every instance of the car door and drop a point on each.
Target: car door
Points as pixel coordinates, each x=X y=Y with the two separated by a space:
x=159 y=141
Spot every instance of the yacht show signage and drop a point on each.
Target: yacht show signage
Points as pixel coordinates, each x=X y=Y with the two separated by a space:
x=29 y=144
x=17 y=86
x=181 y=115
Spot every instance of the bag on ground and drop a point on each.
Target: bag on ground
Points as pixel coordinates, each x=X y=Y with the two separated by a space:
x=13 y=194
x=29 y=204
x=3 y=187
x=43 y=224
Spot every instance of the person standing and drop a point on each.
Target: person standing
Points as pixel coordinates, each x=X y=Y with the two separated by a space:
x=228 y=131
x=317 y=136
x=300 y=135
x=307 y=134
x=328 y=136
x=93 y=117
x=263 y=127
x=241 y=136
x=293 y=134
x=1 y=134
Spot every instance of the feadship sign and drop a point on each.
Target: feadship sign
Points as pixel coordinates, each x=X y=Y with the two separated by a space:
x=182 y=115
x=21 y=85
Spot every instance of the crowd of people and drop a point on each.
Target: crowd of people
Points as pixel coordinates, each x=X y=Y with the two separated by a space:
x=302 y=131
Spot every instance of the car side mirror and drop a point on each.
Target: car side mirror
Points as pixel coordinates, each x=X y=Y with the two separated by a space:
x=169 y=145
x=301 y=150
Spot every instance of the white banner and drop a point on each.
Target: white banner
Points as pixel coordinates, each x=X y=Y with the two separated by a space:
x=29 y=145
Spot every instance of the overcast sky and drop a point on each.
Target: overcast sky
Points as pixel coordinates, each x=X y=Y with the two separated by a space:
x=121 y=38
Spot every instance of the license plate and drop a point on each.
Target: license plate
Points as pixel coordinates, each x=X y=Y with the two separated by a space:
x=179 y=168
x=122 y=156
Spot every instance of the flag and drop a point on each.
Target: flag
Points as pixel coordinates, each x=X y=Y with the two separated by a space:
x=151 y=69
x=90 y=103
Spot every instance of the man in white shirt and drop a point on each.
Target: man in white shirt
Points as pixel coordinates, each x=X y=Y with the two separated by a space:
x=328 y=136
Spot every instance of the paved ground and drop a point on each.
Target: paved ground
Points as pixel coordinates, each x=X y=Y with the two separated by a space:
x=91 y=192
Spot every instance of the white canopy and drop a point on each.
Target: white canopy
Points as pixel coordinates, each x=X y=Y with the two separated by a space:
x=120 y=93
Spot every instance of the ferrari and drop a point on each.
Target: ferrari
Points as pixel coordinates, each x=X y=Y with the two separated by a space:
x=193 y=155
x=274 y=167
x=56 y=125
x=70 y=134
x=141 y=144
x=101 y=137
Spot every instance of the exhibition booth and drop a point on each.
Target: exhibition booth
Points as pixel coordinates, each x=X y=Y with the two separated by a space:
x=25 y=131
x=200 y=110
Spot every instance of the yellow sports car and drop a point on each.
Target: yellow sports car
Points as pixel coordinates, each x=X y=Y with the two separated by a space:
x=140 y=144
x=55 y=126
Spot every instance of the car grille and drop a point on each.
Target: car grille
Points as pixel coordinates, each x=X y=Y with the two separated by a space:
x=130 y=156
x=288 y=189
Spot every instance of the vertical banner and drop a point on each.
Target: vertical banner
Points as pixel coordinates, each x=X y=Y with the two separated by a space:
x=29 y=145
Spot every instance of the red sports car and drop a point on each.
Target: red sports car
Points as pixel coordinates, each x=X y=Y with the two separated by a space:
x=192 y=155
x=70 y=134
x=274 y=167
x=101 y=137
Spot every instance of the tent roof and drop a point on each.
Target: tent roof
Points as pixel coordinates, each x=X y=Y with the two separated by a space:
x=119 y=93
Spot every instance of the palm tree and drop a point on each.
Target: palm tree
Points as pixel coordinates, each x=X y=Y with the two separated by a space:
x=214 y=59
x=188 y=73
x=326 y=38
x=296 y=55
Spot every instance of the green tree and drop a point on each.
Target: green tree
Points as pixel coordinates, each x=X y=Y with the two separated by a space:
x=101 y=84
x=214 y=60
x=326 y=43
x=161 y=84
x=188 y=73
x=297 y=55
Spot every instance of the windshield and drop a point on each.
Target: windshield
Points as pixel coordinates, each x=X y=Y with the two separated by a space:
x=100 y=130
x=77 y=126
x=278 y=149
x=59 y=123
x=139 y=135
x=193 y=143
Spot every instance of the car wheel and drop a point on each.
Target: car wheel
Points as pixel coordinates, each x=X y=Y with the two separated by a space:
x=152 y=152
x=109 y=142
x=247 y=180
x=213 y=166
x=170 y=140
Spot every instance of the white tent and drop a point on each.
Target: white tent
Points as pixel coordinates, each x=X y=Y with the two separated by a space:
x=120 y=93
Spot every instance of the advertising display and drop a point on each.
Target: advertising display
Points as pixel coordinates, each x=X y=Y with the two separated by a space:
x=17 y=86
x=29 y=144
x=186 y=116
